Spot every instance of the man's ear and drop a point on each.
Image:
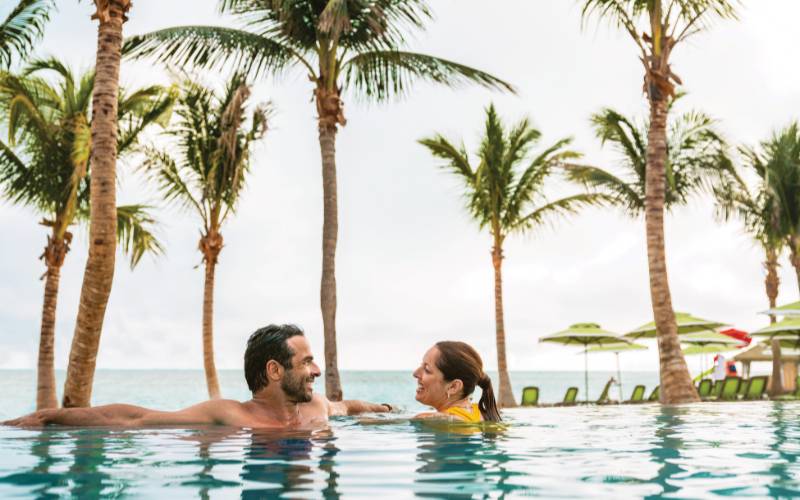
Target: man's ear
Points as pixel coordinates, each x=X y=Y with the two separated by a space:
x=274 y=370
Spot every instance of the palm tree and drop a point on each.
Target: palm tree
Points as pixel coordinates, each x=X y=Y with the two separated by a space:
x=44 y=166
x=99 y=273
x=341 y=45
x=669 y=22
x=502 y=198
x=760 y=213
x=23 y=26
x=214 y=139
x=777 y=163
x=697 y=160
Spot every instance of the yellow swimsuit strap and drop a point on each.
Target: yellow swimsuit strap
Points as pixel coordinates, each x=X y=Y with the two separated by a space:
x=471 y=415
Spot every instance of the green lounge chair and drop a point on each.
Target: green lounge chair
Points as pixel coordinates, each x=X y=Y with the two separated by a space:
x=655 y=395
x=730 y=389
x=743 y=387
x=569 y=397
x=530 y=396
x=716 y=391
x=756 y=388
x=603 y=399
x=704 y=388
x=637 y=396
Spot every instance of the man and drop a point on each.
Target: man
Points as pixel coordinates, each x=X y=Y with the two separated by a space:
x=280 y=373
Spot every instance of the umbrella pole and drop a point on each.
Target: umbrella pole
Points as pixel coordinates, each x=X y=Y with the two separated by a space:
x=619 y=377
x=586 y=372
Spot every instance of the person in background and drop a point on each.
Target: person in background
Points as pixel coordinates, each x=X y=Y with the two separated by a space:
x=719 y=367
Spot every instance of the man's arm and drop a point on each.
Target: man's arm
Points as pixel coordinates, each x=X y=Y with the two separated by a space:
x=355 y=407
x=121 y=415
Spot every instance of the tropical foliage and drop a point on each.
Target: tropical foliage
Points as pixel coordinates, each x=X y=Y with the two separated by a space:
x=657 y=27
x=214 y=137
x=342 y=45
x=697 y=159
x=44 y=165
x=22 y=28
x=505 y=194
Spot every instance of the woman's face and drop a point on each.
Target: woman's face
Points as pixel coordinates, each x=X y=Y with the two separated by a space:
x=432 y=389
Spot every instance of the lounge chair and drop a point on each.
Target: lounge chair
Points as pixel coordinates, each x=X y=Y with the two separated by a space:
x=716 y=391
x=730 y=389
x=655 y=395
x=637 y=396
x=530 y=396
x=704 y=388
x=569 y=397
x=756 y=388
x=603 y=399
x=743 y=387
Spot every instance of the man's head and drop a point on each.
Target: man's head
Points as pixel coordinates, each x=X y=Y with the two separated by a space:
x=280 y=354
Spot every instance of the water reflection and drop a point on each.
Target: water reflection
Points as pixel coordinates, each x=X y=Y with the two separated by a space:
x=282 y=463
x=41 y=478
x=461 y=464
x=666 y=449
x=785 y=445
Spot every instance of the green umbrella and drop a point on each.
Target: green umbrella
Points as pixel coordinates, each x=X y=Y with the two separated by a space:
x=585 y=334
x=616 y=349
x=686 y=324
x=792 y=309
x=707 y=342
x=784 y=330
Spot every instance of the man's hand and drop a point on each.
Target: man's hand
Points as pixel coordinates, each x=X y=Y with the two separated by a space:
x=33 y=420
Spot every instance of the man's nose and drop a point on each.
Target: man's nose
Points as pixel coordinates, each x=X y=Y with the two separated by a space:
x=315 y=371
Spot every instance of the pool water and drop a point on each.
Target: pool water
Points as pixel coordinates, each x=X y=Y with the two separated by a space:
x=697 y=451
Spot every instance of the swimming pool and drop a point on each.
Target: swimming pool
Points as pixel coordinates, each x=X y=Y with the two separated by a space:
x=699 y=451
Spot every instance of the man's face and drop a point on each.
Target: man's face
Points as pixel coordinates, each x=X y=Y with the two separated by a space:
x=298 y=381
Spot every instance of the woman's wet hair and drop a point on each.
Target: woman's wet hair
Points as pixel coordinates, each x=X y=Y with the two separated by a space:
x=458 y=360
x=269 y=342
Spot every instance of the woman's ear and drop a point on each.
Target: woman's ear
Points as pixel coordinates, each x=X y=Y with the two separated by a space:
x=274 y=370
x=456 y=387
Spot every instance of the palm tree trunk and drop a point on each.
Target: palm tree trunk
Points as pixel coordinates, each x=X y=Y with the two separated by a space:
x=776 y=381
x=505 y=394
x=329 y=109
x=99 y=274
x=53 y=256
x=772 y=281
x=212 y=381
x=676 y=383
x=330 y=229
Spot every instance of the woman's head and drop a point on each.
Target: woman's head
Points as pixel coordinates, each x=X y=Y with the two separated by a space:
x=449 y=372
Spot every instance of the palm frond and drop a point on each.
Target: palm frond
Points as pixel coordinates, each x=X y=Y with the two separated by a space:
x=22 y=28
x=559 y=208
x=210 y=47
x=385 y=74
x=166 y=174
x=135 y=232
x=620 y=192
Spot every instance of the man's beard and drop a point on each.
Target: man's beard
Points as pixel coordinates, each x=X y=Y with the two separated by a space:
x=295 y=387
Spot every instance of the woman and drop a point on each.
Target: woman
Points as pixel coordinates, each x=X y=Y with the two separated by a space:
x=447 y=378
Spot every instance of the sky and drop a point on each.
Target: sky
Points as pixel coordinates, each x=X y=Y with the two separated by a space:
x=412 y=267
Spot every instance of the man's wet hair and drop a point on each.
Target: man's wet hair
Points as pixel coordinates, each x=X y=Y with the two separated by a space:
x=269 y=342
